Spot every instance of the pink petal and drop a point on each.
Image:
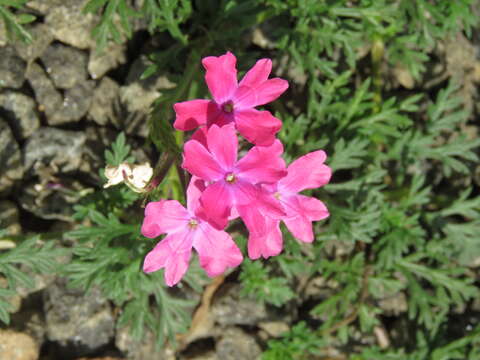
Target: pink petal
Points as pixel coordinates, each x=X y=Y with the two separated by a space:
x=216 y=250
x=262 y=164
x=199 y=162
x=307 y=172
x=173 y=254
x=258 y=127
x=191 y=114
x=223 y=144
x=221 y=76
x=194 y=191
x=301 y=211
x=217 y=201
x=244 y=193
x=306 y=206
x=265 y=237
x=162 y=217
x=258 y=73
x=250 y=96
x=200 y=135
x=255 y=196
x=300 y=227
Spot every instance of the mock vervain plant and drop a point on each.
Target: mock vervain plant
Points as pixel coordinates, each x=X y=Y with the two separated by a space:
x=257 y=188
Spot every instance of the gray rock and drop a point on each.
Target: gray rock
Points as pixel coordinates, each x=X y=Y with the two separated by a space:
x=65 y=65
x=21 y=111
x=236 y=344
x=42 y=37
x=12 y=68
x=10 y=158
x=53 y=200
x=76 y=103
x=70 y=25
x=100 y=63
x=101 y=110
x=55 y=148
x=9 y=219
x=48 y=98
x=138 y=96
x=230 y=309
x=98 y=139
x=80 y=323
x=144 y=350
x=58 y=109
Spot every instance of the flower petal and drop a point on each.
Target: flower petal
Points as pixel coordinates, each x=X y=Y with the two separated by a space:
x=216 y=250
x=198 y=161
x=258 y=127
x=191 y=114
x=194 y=191
x=254 y=196
x=258 y=73
x=217 y=201
x=162 y=217
x=200 y=135
x=221 y=76
x=306 y=206
x=265 y=237
x=173 y=254
x=223 y=144
x=300 y=227
x=250 y=96
x=262 y=164
x=301 y=211
x=307 y=172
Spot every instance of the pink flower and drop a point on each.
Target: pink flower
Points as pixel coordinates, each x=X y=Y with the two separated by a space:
x=235 y=102
x=265 y=238
x=231 y=182
x=186 y=228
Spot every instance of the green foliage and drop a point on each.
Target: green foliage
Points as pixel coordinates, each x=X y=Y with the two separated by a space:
x=14 y=18
x=18 y=266
x=117 y=17
x=119 y=152
x=110 y=253
x=299 y=343
x=258 y=282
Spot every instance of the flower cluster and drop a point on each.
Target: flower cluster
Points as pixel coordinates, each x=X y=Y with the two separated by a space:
x=259 y=187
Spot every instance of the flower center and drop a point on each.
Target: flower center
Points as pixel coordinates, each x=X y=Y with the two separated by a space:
x=228 y=106
x=192 y=224
x=230 y=178
x=277 y=195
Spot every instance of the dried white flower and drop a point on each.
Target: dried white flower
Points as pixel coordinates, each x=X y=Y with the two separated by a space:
x=136 y=177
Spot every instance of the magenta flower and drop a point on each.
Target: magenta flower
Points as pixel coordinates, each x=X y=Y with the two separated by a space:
x=232 y=182
x=235 y=102
x=186 y=228
x=265 y=238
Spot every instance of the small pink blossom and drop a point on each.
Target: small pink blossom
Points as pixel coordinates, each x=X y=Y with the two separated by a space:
x=235 y=102
x=231 y=182
x=186 y=228
x=265 y=238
